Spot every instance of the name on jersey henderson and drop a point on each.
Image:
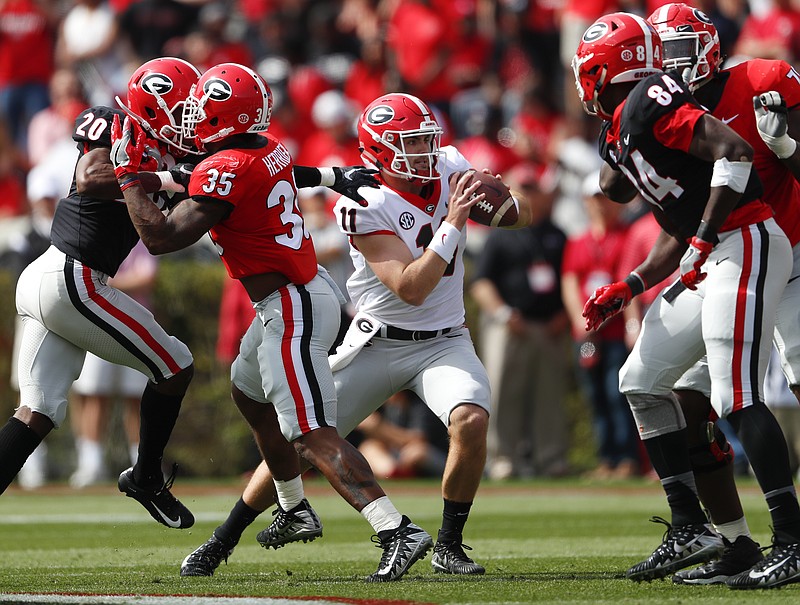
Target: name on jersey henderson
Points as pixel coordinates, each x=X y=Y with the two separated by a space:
x=277 y=159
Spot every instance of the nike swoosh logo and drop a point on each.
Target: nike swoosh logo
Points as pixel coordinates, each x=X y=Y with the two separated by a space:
x=729 y=120
x=167 y=520
x=756 y=575
x=269 y=320
x=390 y=563
x=627 y=139
x=679 y=548
x=723 y=259
x=792 y=279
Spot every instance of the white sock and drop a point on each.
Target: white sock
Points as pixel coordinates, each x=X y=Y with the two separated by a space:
x=733 y=529
x=382 y=515
x=133 y=452
x=290 y=493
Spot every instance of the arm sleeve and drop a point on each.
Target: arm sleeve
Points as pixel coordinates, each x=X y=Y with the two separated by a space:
x=306 y=176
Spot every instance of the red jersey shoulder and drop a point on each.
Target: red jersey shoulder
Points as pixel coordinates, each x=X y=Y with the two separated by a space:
x=768 y=74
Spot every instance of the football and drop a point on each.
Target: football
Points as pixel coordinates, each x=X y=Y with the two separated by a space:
x=497 y=209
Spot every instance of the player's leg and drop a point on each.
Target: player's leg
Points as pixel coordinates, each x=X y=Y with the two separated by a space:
x=669 y=343
x=712 y=464
x=787 y=318
x=84 y=310
x=454 y=385
x=297 y=378
x=738 y=320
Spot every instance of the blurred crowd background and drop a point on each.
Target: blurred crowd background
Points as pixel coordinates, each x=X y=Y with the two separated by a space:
x=496 y=73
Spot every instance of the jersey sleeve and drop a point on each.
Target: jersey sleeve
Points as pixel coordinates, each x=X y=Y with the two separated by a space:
x=355 y=219
x=221 y=176
x=93 y=126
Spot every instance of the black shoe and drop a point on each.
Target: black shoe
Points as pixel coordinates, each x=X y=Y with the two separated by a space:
x=204 y=560
x=300 y=523
x=160 y=503
x=681 y=547
x=736 y=557
x=407 y=545
x=449 y=557
x=781 y=567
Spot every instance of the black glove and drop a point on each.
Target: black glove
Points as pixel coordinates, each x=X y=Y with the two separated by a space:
x=181 y=173
x=349 y=178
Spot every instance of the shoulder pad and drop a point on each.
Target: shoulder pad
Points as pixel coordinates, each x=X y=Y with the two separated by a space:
x=93 y=125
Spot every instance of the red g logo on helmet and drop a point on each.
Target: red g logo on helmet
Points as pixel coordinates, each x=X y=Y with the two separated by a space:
x=217 y=89
x=595 y=32
x=156 y=84
x=380 y=115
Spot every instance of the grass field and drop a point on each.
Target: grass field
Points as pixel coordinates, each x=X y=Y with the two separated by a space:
x=541 y=542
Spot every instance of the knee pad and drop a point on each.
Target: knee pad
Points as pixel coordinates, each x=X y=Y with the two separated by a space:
x=709 y=449
x=656 y=414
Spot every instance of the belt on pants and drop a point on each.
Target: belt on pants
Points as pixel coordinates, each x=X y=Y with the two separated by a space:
x=401 y=334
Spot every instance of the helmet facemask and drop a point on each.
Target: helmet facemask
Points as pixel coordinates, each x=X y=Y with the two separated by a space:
x=687 y=52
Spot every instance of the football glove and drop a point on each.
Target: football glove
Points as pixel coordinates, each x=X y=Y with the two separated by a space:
x=693 y=259
x=128 y=144
x=606 y=302
x=772 y=123
x=348 y=179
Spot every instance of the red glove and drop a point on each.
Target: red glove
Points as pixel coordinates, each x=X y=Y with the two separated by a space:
x=606 y=302
x=693 y=259
x=127 y=151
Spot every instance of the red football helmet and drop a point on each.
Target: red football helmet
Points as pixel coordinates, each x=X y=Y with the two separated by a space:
x=228 y=99
x=691 y=43
x=619 y=47
x=384 y=127
x=156 y=94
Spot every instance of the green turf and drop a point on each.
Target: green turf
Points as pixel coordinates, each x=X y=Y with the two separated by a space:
x=543 y=542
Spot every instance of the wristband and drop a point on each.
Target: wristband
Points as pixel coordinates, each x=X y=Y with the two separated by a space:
x=445 y=241
x=707 y=233
x=128 y=181
x=783 y=147
x=731 y=174
x=327 y=177
x=166 y=179
x=636 y=283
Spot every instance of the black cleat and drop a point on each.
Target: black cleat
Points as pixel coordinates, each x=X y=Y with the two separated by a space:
x=736 y=557
x=681 y=547
x=160 y=503
x=449 y=557
x=407 y=545
x=300 y=523
x=781 y=567
x=206 y=559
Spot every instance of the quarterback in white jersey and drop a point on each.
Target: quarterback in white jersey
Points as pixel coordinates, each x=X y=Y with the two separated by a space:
x=414 y=220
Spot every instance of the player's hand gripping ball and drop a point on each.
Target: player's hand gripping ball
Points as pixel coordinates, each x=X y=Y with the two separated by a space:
x=498 y=208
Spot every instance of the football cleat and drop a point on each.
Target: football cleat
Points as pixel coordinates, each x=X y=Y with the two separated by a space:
x=737 y=557
x=449 y=557
x=300 y=523
x=681 y=547
x=781 y=567
x=408 y=544
x=159 y=502
x=204 y=560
